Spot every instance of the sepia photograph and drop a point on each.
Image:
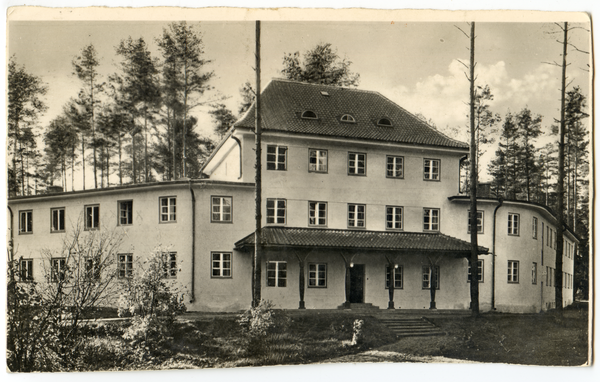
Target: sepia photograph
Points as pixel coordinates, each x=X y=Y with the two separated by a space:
x=226 y=188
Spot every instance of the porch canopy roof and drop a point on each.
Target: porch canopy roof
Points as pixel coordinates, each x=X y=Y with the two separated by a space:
x=311 y=238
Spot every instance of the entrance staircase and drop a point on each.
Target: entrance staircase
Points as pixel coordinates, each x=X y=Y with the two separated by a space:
x=359 y=306
x=411 y=327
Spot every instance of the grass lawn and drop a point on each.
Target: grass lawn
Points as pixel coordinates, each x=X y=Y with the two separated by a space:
x=531 y=339
x=309 y=337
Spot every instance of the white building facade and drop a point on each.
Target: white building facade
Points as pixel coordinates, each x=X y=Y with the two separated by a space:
x=360 y=205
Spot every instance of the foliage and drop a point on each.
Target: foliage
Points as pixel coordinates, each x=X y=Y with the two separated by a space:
x=248 y=95
x=255 y=324
x=45 y=320
x=357 y=332
x=223 y=118
x=152 y=299
x=25 y=105
x=321 y=65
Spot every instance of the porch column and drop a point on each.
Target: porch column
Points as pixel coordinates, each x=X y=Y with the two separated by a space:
x=301 y=285
x=432 y=285
x=391 y=286
x=347 y=303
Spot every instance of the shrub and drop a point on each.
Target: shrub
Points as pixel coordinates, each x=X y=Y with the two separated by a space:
x=255 y=323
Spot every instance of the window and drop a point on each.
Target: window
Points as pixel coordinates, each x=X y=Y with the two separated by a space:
x=479 y=222
x=513 y=224
x=277 y=274
x=276 y=158
x=395 y=167
x=347 y=118
x=547 y=235
x=317 y=275
x=397 y=277
x=317 y=160
x=317 y=214
x=308 y=114
x=427 y=277
x=534 y=273
x=25 y=222
x=534 y=228
x=479 y=271
x=550 y=239
x=431 y=169
x=548 y=276
x=57 y=220
x=221 y=209
x=393 y=217
x=169 y=260
x=92 y=269
x=513 y=271
x=357 y=164
x=26 y=270
x=356 y=215
x=431 y=219
x=59 y=269
x=92 y=217
x=168 y=209
x=221 y=265
x=276 y=211
x=125 y=265
x=555 y=239
x=384 y=122
x=126 y=212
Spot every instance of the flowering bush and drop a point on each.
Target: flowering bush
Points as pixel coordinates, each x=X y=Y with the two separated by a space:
x=356 y=331
x=255 y=323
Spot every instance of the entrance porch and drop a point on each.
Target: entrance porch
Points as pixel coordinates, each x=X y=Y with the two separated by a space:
x=325 y=269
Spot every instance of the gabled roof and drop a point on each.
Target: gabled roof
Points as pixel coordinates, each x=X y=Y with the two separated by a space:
x=363 y=240
x=283 y=102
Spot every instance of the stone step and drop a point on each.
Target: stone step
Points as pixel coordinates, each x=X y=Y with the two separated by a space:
x=359 y=306
x=412 y=327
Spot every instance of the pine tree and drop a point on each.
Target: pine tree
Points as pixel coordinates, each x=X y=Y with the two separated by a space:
x=504 y=167
x=25 y=105
x=223 y=118
x=528 y=130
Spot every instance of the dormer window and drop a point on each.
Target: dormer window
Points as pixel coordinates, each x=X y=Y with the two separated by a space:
x=384 y=122
x=308 y=114
x=347 y=118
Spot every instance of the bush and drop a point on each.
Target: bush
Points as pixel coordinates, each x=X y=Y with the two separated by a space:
x=255 y=323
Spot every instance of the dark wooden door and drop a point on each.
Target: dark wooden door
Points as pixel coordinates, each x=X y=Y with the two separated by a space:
x=357 y=283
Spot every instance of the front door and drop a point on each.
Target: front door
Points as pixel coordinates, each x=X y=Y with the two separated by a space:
x=357 y=283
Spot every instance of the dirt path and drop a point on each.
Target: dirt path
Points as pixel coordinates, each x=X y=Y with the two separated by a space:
x=390 y=356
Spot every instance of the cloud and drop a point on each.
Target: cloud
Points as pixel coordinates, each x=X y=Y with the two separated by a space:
x=444 y=97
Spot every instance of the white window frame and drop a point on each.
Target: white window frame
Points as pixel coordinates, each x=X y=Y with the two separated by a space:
x=124 y=265
x=25 y=222
x=26 y=270
x=273 y=158
x=513 y=272
x=426 y=278
x=93 y=212
x=480 y=269
x=169 y=260
x=314 y=214
x=432 y=169
x=395 y=167
x=60 y=218
x=305 y=115
x=317 y=275
x=321 y=158
x=354 y=161
x=347 y=118
x=480 y=221
x=168 y=211
x=534 y=228
x=221 y=265
x=397 y=224
x=433 y=225
x=274 y=209
x=125 y=213
x=277 y=275
x=514 y=224
x=354 y=213
x=58 y=267
x=217 y=209
x=398 y=277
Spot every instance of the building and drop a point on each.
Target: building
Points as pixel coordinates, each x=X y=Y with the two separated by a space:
x=358 y=195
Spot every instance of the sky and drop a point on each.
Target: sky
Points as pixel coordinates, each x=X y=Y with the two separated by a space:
x=415 y=64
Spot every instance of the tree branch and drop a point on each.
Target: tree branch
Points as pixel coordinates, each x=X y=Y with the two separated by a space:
x=466 y=35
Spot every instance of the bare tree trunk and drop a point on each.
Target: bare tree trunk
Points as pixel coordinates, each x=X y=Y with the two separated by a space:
x=256 y=277
x=473 y=212
x=73 y=167
x=145 y=145
x=120 y=162
x=83 y=158
x=561 y=179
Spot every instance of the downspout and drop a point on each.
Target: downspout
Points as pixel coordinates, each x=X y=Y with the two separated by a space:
x=11 y=243
x=500 y=201
x=192 y=297
x=241 y=161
